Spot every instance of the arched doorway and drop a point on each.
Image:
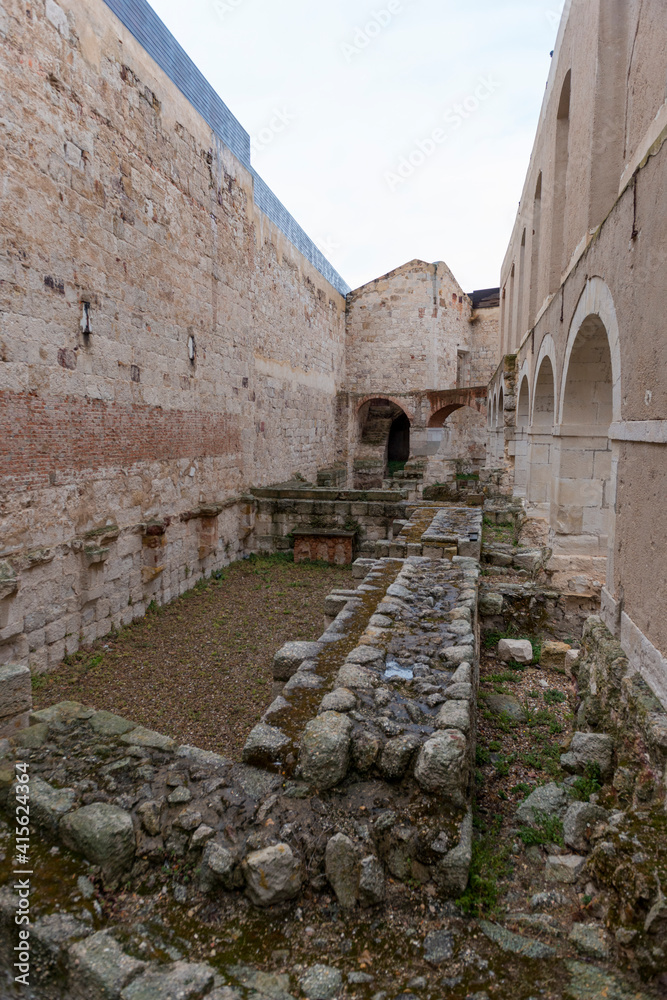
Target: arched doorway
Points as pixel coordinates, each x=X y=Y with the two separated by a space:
x=541 y=447
x=383 y=429
x=521 y=439
x=458 y=436
x=398 y=449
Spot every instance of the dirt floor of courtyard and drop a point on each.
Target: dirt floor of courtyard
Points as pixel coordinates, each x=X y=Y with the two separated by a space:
x=199 y=669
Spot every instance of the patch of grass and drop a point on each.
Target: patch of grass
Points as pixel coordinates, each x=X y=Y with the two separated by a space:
x=523 y=789
x=482 y=756
x=548 y=830
x=588 y=784
x=38 y=681
x=504 y=722
x=495 y=746
x=541 y=717
x=490 y=865
x=393 y=467
x=507 y=676
x=503 y=765
x=94 y=661
x=554 y=697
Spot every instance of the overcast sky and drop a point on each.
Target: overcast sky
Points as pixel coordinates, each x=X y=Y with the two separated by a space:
x=390 y=130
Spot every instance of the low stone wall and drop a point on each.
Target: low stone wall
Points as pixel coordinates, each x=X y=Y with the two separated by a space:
x=54 y=600
x=531 y=608
x=280 y=511
x=629 y=858
x=360 y=772
x=616 y=698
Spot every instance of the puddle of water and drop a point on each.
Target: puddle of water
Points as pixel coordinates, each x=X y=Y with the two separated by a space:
x=395 y=671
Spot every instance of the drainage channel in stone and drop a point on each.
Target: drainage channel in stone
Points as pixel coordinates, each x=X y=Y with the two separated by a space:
x=327 y=656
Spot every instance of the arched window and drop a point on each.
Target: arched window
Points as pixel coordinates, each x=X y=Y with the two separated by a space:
x=535 y=254
x=519 y=328
x=607 y=153
x=544 y=407
x=509 y=339
x=561 y=163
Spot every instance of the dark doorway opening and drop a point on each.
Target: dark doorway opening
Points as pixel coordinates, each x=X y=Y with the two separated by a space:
x=399 y=440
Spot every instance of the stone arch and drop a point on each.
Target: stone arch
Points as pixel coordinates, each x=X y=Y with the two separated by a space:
x=521 y=434
x=401 y=404
x=540 y=485
x=544 y=408
x=535 y=253
x=597 y=300
x=383 y=434
x=590 y=402
x=523 y=398
x=500 y=414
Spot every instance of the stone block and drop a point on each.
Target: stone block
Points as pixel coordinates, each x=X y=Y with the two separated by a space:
x=325 y=750
x=99 y=968
x=104 y=834
x=589 y=750
x=553 y=655
x=289 y=658
x=517 y=650
x=272 y=875
x=565 y=868
x=15 y=692
x=490 y=604
x=180 y=981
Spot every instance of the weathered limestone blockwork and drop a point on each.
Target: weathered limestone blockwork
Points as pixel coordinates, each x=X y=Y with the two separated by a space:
x=583 y=306
x=417 y=345
x=123 y=214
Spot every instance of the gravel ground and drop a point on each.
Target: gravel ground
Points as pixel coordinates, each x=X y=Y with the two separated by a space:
x=199 y=669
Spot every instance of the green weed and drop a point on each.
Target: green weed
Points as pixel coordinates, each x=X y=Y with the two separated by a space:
x=588 y=784
x=490 y=865
x=554 y=697
x=523 y=788
x=548 y=830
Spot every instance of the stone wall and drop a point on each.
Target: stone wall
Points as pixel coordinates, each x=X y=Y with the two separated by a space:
x=582 y=303
x=413 y=336
x=163 y=344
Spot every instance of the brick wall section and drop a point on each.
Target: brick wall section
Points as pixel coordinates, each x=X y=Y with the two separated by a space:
x=42 y=439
